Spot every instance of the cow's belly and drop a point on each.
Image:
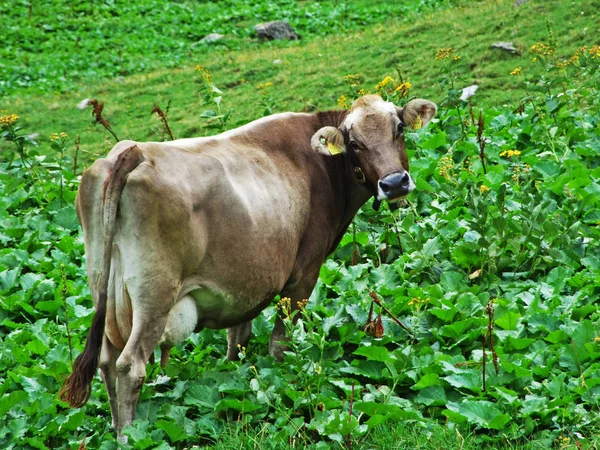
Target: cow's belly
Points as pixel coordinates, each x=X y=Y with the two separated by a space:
x=202 y=307
x=227 y=302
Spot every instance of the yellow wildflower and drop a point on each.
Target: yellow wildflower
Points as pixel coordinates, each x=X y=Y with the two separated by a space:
x=510 y=153
x=597 y=339
x=8 y=119
x=483 y=188
x=562 y=64
x=302 y=304
x=402 y=88
x=205 y=74
x=284 y=305
x=516 y=72
x=445 y=53
x=575 y=58
x=342 y=101
x=541 y=49
x=417 y=301
x=595 y=51
x=352 y=80
x=57 y=136
x=446 y=165
x=383 y=83
x=362 y=92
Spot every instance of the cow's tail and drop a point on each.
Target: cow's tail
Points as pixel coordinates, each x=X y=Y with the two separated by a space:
x=76 y=389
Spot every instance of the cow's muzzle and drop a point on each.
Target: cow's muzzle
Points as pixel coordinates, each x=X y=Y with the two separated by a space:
x=395 y=185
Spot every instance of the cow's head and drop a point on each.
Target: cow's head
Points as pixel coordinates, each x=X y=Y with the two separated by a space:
x=373 y=135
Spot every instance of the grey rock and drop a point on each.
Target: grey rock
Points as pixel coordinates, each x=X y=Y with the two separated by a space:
x=519 y=2
x=278 y=29
x=212 y=37
x=506 y=46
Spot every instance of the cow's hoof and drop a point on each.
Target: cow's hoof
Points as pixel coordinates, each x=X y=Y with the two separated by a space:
x=122 y=439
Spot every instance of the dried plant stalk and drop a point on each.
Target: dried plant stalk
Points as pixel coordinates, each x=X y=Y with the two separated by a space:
x=97 y=108
x=376 y=300
x=163 y=119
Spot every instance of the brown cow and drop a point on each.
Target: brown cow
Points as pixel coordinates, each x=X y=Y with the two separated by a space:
x=204 y=232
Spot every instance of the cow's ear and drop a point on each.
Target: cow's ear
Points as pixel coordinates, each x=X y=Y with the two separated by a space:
x=328 y=141
x=417 y=113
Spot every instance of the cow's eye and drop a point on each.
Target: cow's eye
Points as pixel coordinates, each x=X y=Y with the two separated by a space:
x=352 y=145
x=400 y=129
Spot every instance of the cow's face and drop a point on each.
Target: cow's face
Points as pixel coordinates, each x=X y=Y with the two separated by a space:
x=374 y=132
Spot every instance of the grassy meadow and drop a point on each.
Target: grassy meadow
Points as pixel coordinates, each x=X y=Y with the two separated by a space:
x=312 y=70
x=492 y=264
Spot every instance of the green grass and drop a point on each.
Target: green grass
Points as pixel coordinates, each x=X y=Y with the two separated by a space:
x=427 y=435
x=312 y=70
x=51 y=47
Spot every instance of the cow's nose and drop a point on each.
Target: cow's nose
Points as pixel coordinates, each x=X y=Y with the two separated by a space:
x=396 y=184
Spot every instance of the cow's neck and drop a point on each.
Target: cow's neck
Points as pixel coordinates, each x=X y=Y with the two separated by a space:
x=349 y=190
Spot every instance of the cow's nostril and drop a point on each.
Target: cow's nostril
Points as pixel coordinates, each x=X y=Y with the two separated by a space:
x=405 y=179
x=386 y=185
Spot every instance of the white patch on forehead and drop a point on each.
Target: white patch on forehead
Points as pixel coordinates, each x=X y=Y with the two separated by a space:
x=357 y=114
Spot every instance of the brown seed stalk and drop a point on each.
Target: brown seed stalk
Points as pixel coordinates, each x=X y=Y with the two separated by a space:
x=376 y=300
x=163 y=118
x=97 y=108
x=355 y=255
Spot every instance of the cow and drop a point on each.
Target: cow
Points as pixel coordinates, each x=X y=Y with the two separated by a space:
x=204 y=232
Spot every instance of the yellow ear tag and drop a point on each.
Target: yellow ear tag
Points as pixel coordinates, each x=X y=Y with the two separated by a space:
x=418 y=123
x=333 y=149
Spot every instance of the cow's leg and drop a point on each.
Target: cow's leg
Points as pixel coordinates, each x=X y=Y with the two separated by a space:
x=296 y=291
x=108 y=371
x=238 y=335
x=131 y=365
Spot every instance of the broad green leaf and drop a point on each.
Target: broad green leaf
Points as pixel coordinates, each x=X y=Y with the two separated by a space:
x=509 y=320
x=468 y=380
x=480 y=412
x=433 y=395
x=375 y=353
x=427 y=380
x=237 y=405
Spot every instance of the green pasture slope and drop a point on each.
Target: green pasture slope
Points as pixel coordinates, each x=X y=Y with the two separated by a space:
x=493 y=264
x=130 y=63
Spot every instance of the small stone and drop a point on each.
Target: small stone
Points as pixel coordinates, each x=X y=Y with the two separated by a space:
x=212 y=37
x=506 y=46
x=277 y=61
x=278 y=29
